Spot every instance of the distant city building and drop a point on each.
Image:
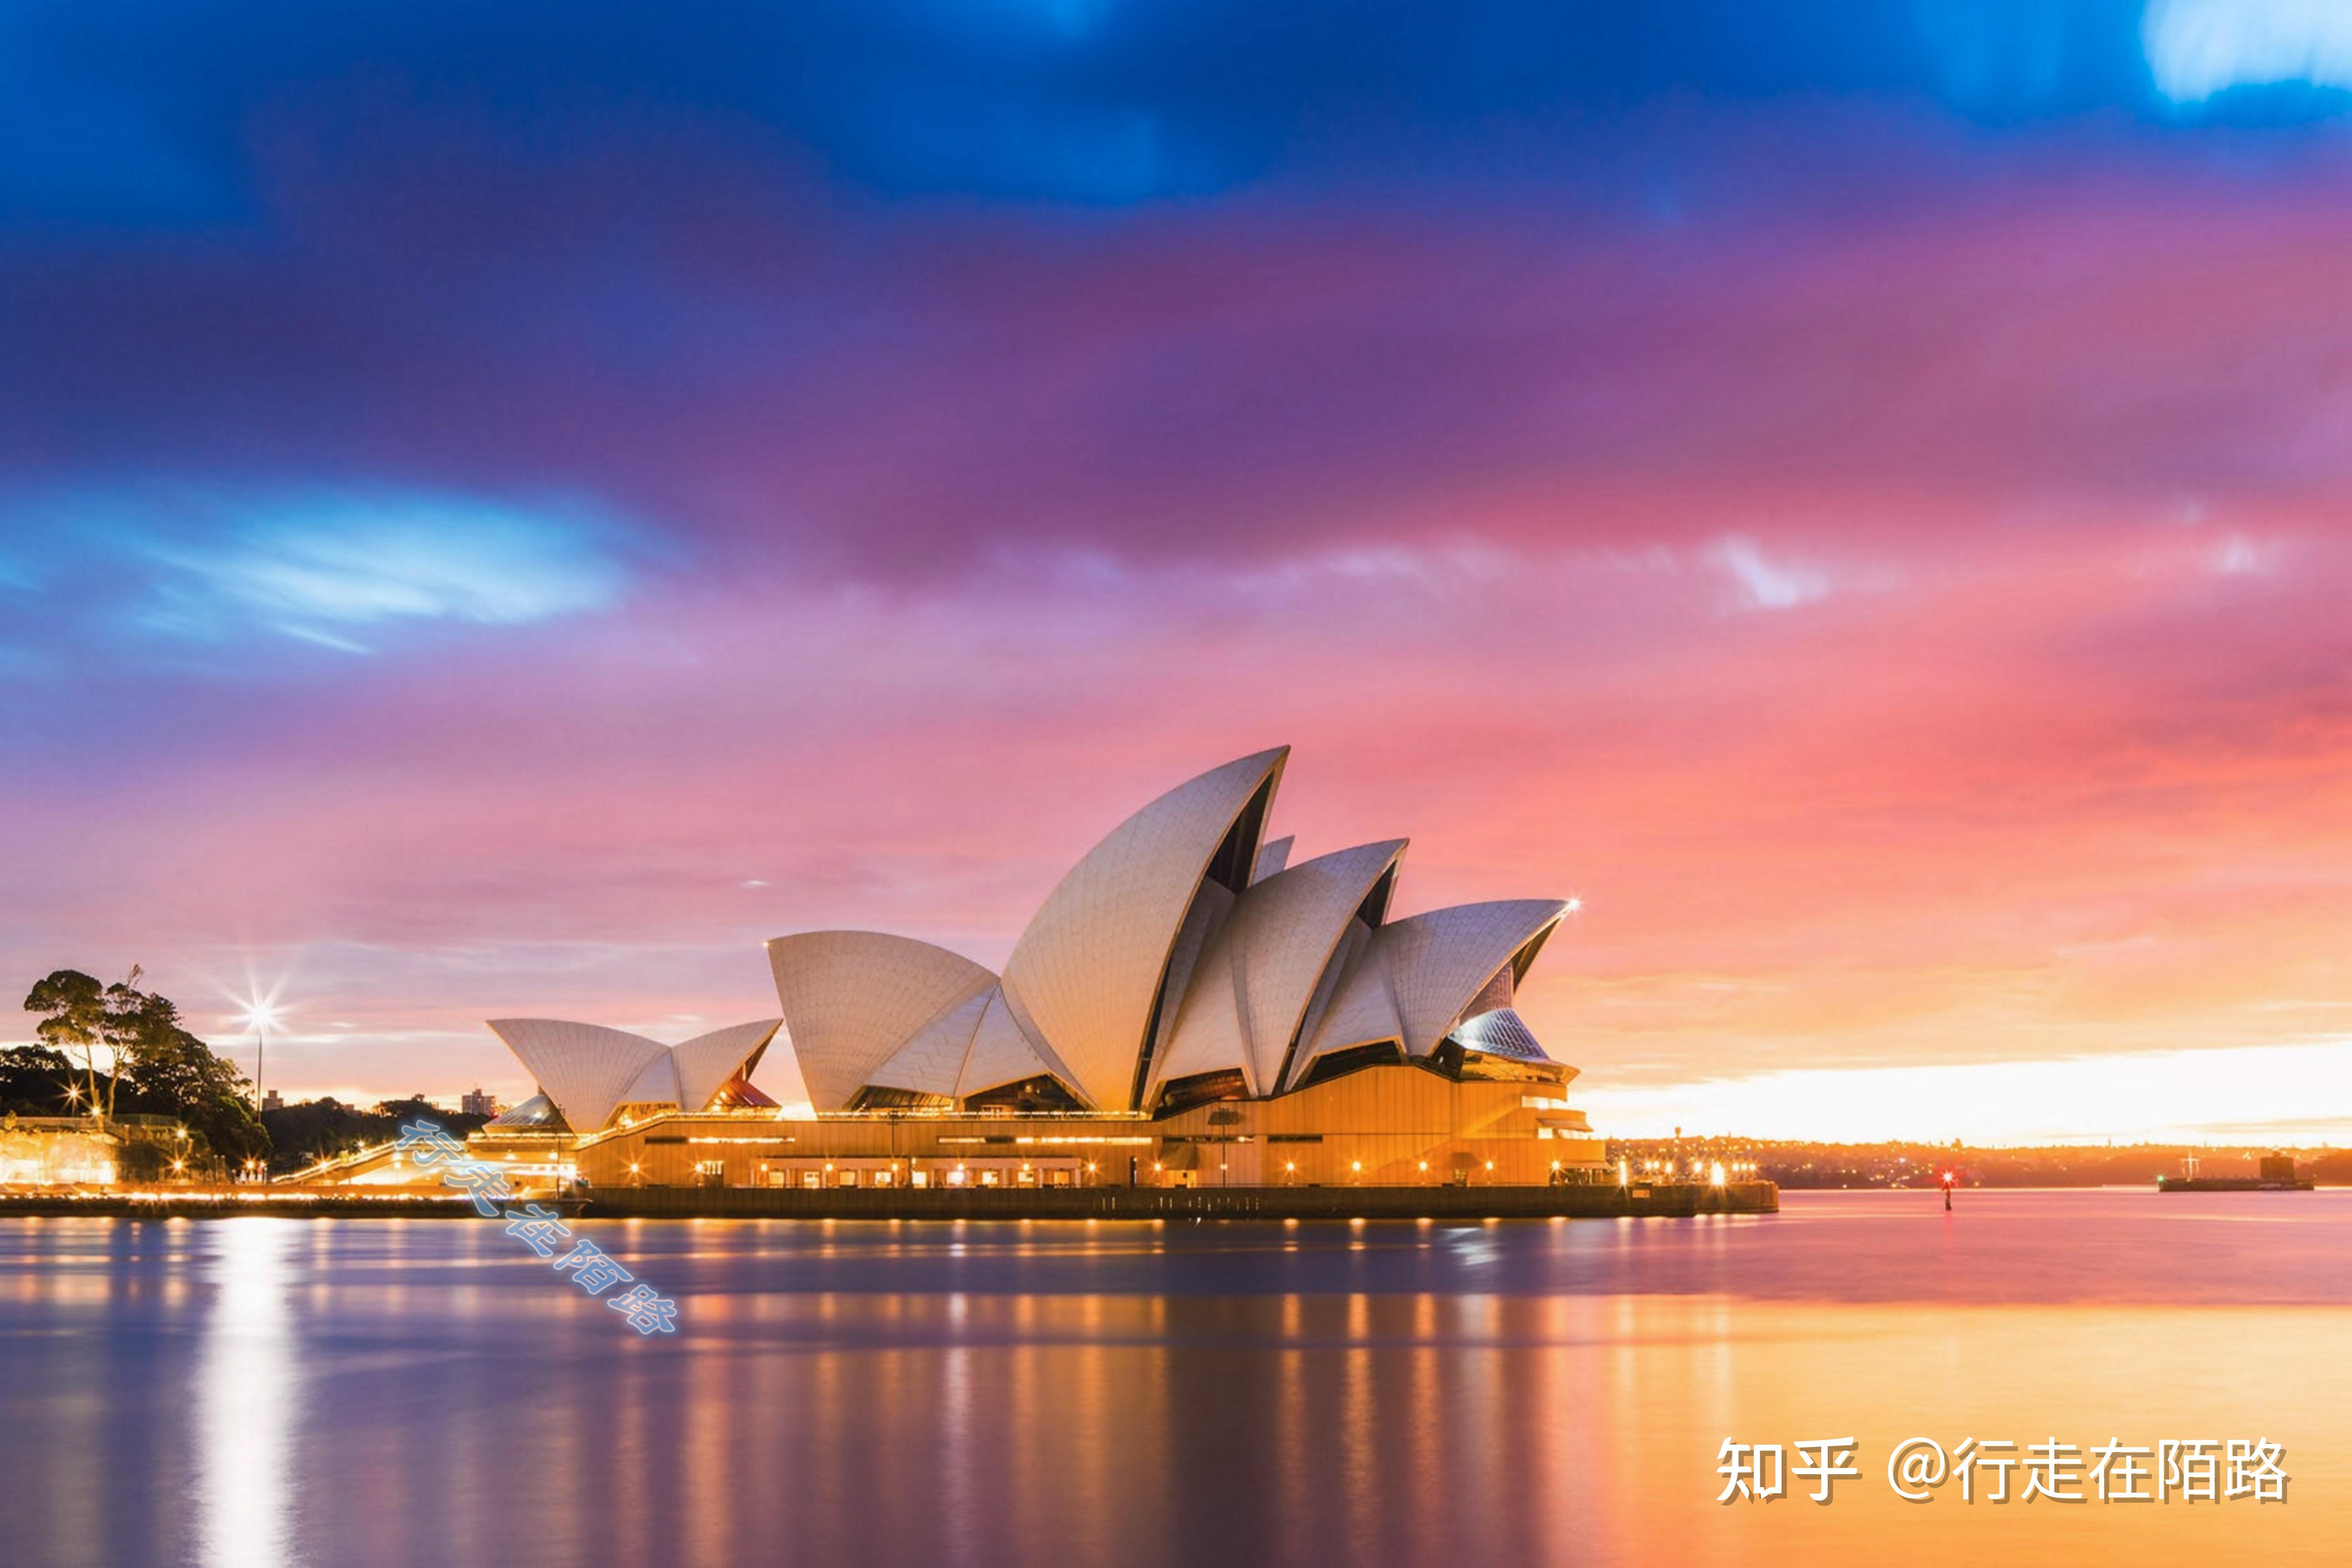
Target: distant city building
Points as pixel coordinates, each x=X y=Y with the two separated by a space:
x=271 y=1101
x=476 y=1103
x=1186 y=1007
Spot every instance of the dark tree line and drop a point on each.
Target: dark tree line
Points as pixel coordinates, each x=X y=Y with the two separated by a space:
x=312 y=1130
x=153 y=1065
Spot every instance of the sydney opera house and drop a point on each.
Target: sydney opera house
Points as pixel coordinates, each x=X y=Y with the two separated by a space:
x=1188 y=1007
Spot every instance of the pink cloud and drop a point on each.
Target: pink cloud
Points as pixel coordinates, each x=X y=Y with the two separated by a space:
x=2042 y=751
x=2086 y=798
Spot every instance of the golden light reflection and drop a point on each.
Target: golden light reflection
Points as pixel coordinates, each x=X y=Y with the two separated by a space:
x=1365 y=1417
x=1357 y=1418
x=248 y=1387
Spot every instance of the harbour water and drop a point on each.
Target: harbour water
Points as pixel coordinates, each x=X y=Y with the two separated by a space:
x=260 y=1391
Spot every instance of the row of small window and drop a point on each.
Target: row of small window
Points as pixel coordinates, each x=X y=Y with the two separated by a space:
x=956 y=1176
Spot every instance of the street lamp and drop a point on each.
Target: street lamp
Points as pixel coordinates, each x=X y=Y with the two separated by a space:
x=260 y=1013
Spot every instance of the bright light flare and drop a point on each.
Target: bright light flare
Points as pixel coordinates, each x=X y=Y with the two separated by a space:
x=256 y=1002
x=2223 y=1094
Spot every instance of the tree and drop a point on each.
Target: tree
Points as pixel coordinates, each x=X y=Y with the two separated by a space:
x=73 y=1018
x=315 y=1129
x=32 y=1079
x=170 y=1069
x=125 y=1006
x=159 y=1068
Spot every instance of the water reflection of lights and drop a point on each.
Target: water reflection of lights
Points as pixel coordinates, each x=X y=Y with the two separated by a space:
x=245 y=1393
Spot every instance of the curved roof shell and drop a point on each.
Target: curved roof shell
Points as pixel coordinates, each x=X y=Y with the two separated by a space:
x=1086 y=973
x=658 y=1085
x=589 y=1071
x=1002 y=1053
x=707 y=1062
x=1250 y=991
x=536 y=1114
x=1416 y=976
x=1501 y=1032
x=1180 y=944
x=852 y=999
x=586 y=1070
x=932 y=1061
x=1271 y=857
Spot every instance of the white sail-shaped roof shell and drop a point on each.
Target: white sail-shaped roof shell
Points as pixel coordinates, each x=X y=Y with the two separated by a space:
x=1416 y=977
x=1271 y=857
x=658 y=1085
x=706 y=1062
x=589 y=1071
x=932 y=1061
x=1002 y=1054
x=586 y=1070
x=533 y=1115
x=1501 y=1032
x=1181 y=925
x=1250 y=991
x=973 y=1046
x=1084 y=974
x=852 y=999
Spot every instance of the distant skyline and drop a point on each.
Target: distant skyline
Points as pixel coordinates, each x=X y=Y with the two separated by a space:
x=502 y=511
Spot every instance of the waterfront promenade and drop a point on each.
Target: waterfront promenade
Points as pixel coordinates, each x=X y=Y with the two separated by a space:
x=1572 y=1201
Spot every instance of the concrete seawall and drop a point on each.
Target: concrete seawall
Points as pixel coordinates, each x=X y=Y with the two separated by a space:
x=1182 y=1202
x=285 y=1202
x=1668 y=1199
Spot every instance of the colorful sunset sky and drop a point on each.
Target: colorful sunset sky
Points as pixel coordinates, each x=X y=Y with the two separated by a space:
x=504 y=508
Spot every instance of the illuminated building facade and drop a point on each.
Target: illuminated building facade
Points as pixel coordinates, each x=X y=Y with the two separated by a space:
x=56 y=1151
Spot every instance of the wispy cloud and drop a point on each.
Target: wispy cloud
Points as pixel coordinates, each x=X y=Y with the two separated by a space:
x=312 y=566
x=2197 y=48
x=336 y=569
x=1765 y=584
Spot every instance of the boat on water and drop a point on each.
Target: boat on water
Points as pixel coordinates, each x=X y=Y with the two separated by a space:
x=2276 y=1173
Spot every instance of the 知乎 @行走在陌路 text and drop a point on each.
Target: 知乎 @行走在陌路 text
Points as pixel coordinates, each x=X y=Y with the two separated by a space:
x=2175 y=1470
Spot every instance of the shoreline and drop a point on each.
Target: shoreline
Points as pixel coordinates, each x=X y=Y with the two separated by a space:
x=1668 y=1200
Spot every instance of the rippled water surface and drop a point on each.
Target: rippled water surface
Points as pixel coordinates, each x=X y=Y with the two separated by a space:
x=258 y=1391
